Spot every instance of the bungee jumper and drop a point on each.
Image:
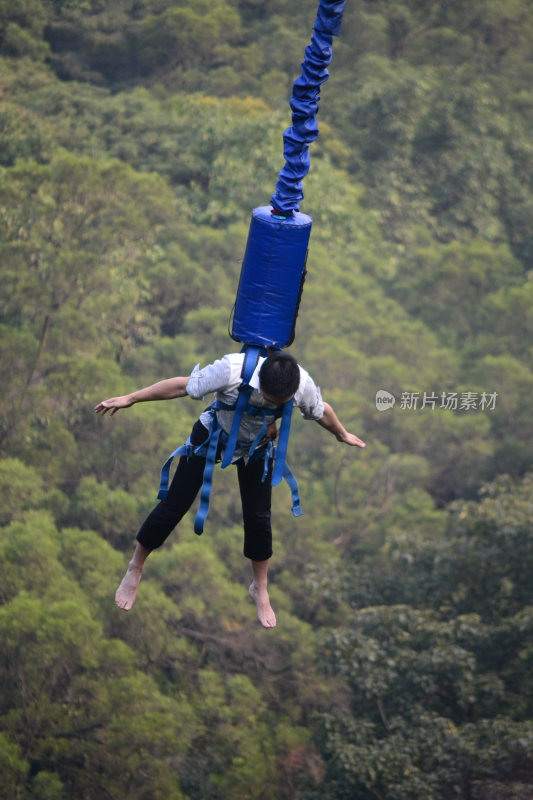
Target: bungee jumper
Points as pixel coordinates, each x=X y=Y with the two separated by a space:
x=261 y=384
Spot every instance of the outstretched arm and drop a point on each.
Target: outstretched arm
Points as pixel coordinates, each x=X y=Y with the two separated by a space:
x=331 y=423
x=162 y=390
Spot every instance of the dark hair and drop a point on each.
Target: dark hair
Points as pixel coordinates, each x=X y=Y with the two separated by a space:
x=279 y=375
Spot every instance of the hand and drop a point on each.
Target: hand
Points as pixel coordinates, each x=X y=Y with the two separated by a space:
x=271 y=432
x=113 y=404
x=351 y=439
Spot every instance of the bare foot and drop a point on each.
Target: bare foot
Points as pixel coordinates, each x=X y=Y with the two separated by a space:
x=126 y=592
x=265 y=613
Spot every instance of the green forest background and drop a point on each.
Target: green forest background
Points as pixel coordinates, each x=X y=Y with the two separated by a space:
x=136 y=136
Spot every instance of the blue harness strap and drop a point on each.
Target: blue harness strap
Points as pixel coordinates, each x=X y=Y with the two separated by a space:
x=245 y=390
x=292 y=483
x=207 y=483
x=283 y=441
x=184 y=450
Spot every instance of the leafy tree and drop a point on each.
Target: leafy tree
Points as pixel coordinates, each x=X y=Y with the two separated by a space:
x=114 y=512
x=22 y=487
x=22 y=27
x=431 y=694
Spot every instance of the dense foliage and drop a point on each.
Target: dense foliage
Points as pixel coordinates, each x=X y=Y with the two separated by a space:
x=135 y=138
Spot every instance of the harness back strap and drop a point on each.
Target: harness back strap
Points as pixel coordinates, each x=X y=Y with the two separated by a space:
x=245 y=390
x=283 y=441
x=209 y=468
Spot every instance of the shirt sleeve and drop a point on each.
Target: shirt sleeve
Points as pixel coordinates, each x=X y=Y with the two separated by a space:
x=308 y=398
x=213 y=378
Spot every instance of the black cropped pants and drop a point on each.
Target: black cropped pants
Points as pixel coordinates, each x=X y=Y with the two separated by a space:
x=256 y=498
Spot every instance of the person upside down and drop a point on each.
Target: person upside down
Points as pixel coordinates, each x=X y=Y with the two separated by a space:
x=276 y=379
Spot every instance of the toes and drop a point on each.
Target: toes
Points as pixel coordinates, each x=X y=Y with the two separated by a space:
x=265 y=613
x=123 y=599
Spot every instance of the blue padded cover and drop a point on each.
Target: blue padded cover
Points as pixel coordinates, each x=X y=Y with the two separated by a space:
x=271 y=276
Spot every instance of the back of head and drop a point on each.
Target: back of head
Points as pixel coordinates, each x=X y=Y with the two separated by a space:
x=279 y=376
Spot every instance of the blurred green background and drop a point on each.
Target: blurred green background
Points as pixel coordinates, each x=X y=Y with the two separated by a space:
x=135 y=139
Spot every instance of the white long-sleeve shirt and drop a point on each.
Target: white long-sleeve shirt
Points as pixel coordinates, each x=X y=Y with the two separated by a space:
x=223 y=377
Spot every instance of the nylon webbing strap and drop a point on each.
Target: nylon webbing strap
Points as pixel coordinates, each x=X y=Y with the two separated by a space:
x=184 y=450
x=292 y=483
x=250 y=362
x=240 y=408
x=205 y=494
x=283 y=441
